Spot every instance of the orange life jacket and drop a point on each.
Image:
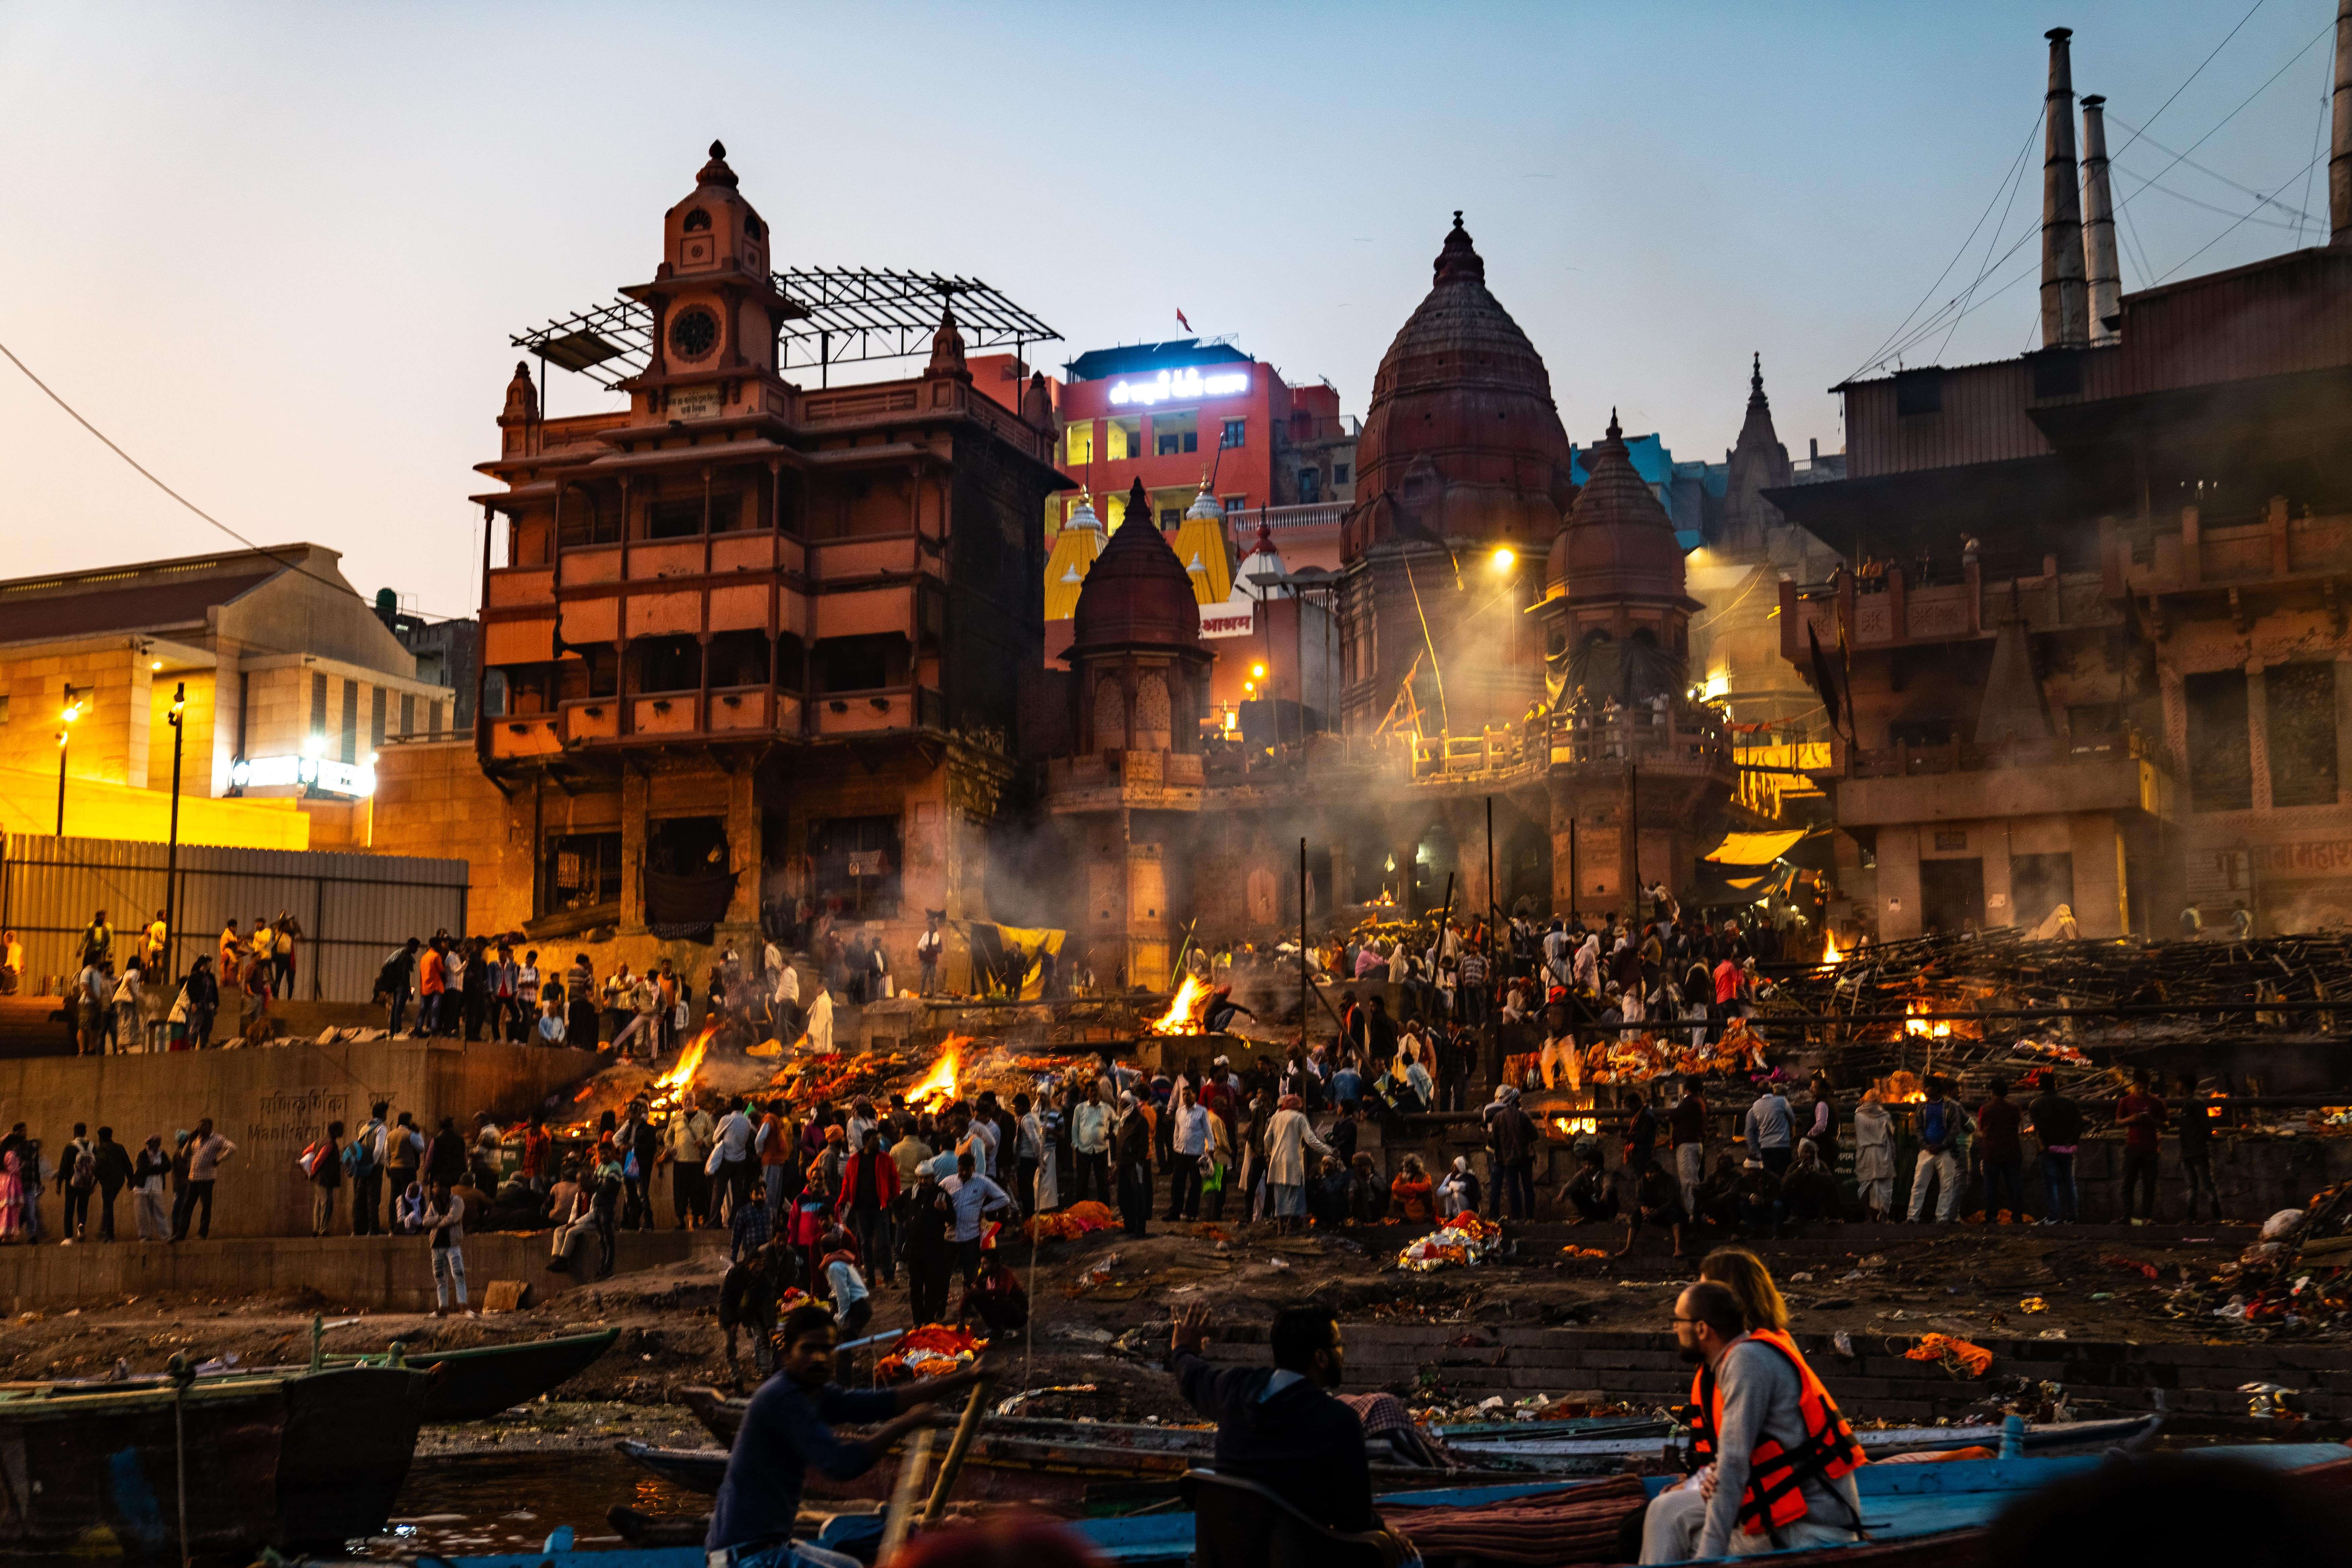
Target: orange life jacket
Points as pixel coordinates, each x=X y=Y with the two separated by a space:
x=1776 y=1475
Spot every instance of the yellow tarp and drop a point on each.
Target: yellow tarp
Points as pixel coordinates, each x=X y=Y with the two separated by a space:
x=1075 y=550
x=98 y=809
x=1754 y=848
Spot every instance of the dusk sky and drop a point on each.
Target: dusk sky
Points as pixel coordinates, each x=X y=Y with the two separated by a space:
x=277 y=251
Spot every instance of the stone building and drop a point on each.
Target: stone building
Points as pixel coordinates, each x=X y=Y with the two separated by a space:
x=2107 y=663
x=758 y=649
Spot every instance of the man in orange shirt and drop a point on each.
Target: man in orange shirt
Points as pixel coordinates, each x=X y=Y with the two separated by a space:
x=431 y=976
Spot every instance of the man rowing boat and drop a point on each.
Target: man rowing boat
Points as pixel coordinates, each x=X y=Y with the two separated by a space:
x=787 y=1431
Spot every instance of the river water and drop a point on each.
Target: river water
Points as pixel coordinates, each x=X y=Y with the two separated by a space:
x=510 y=1502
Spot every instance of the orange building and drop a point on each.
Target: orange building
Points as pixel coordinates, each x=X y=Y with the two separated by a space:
x=761 y=645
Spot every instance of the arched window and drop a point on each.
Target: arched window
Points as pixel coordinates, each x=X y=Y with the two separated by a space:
x=697 y=221
x=1153 y=712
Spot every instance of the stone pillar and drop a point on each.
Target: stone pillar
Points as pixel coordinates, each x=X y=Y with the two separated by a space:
x=1343 y=875
x=2258 y=733
x=744 y=848
x=633 y=847
x=2344 y=730
x=229 y=693
x=2100 y=908
x=2175 y=695
x=1898 y=883
x=2000 y=895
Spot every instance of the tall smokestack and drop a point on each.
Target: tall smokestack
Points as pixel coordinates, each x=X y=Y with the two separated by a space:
x=2099 y=224
x=2064 y=312
x=2339 y=143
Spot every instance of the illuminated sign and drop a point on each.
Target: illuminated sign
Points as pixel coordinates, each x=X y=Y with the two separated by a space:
x=1232 y=624
x=309 y=773
x=1180 y=383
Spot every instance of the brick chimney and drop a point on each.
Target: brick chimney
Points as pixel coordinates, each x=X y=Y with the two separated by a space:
x=2065 y=312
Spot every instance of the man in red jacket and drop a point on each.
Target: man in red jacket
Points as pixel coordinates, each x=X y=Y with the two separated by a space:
x=869 y=1184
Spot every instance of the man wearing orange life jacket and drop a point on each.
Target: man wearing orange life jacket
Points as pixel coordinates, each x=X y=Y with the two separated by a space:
x=1783 y=1456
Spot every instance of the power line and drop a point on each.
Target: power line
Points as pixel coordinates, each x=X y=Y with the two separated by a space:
x=2301 y=217
x=2194 y=74
x=147 y=474
x=2181 y=158
x=2234 y=227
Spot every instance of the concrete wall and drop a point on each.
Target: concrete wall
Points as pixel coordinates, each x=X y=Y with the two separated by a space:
x=273 y=1101
x=345 y=1273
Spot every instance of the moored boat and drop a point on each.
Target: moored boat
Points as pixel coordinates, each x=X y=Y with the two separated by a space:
x=288 y=1459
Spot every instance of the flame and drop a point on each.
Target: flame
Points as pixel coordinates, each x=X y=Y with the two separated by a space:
x=1183 y=1016
x=1569 y=1127
x=1830 y=951
x=676 y=1082
x=1920 y=1026
x=940 y=1083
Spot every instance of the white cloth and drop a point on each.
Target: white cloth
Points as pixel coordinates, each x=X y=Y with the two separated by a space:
x=1287 y=1139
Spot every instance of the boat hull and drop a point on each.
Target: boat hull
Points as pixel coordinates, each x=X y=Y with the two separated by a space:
x=479 y=1381
x=312 y=1459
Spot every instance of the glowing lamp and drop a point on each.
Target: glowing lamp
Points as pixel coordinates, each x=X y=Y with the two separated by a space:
x=1503 y=558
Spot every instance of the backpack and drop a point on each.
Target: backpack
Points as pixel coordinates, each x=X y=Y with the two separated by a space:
x=359 y=1156
x=84 y=1172
x=1935 y=1123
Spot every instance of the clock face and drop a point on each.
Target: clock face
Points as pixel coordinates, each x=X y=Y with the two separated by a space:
x=694 y=333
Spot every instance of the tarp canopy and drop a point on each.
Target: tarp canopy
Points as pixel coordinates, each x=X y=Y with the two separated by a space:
x=1754 y=848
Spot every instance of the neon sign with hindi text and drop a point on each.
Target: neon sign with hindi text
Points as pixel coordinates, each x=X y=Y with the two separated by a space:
x=1169 y=385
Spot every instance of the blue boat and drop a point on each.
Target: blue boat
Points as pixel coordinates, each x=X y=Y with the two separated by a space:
x=1932 y=1506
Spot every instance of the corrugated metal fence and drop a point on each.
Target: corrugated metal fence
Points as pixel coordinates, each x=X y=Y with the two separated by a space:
x=353 y=910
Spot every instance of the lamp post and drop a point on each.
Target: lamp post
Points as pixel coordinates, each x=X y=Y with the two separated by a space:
x=72 y=711
x=172 y=856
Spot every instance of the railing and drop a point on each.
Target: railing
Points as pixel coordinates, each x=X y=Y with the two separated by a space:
x=1681 y=738
x=1906 y=761
x=1318 y=514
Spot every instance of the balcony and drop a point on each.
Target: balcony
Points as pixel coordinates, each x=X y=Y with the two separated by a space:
x=1963 y=782
x=1108 y=780
x=871 y=712
x=1890 y=612
x=2202 y=552
x=593 y=719
x=531 y=735
x=666 y=714
x=1679 y=739
x=740 y=707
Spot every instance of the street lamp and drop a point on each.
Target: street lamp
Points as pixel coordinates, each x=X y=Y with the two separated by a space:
x=71 y=712
x=1503 y=560
x=172 y=857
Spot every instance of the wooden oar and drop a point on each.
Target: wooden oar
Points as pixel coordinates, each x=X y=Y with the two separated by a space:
x=959 y=1446
x=900 y=1519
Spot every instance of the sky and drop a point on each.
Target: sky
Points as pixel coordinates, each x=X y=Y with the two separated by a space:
x=276 y=251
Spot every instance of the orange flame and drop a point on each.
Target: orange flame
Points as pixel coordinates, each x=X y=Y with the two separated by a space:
x=1569 y=1127
x=1830 y=951
x=1183 y=1015
x=1918 y=1025
x=940 y=1083
x=680 y=1077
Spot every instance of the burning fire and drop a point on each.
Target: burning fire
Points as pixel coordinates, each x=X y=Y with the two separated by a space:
x=1830 y=953
x=674 y=1085
x=1917 y=1025
x=1183 y=1015
x=940 y=1083
x=1569 y=1127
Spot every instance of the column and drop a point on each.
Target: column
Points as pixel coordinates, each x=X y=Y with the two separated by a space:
x=1898 y=883
x=633 y=847
x=744 y=847
x=2175 y=697
x=2258 y=733
x=2099 y=907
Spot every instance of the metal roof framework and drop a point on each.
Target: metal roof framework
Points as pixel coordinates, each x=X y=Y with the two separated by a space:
x=852 y=315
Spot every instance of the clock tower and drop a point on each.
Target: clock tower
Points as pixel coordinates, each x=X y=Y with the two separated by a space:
x=716 y=308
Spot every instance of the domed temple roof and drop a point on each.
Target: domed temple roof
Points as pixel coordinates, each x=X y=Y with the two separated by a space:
x=1462 y=440
x=1137 y=590
x=1618 y=542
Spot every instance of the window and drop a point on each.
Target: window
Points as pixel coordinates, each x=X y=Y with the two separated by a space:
x=1235 y=430
x=375 y=719
x=580 y=871
x=1233 y=505
x=697 y=221
x=739 y=658
x=1339 y=473
x=1125 y=438
x=3 y=708
x=855 y=860
x=350 y=748
x=407 y=714
x=1918 y=392
x=319 y=707
x=2302 y=725
x=1176 y=443
x=435 y=710
x=1080 y=441
x=2057 y=373
x=862 y=664
x=1310 y=487
x=2220 y=750
x=670 y=664
x=1171 y=517
x=674 y=518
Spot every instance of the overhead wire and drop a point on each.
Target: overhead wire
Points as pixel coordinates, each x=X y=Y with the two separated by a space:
x=2234 y=227
x=149 y=475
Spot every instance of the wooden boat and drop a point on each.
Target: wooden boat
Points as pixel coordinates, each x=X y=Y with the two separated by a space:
x=2050 y=1437
x=479 y=1381
x=299 y=1459
x=476 y=1381
x=1919 y=1516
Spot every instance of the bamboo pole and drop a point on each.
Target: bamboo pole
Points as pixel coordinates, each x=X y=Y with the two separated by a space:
x=899 y=1523
x=957 y=1449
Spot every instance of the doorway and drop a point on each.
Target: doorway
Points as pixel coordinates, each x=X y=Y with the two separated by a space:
x=2037 y=885
x=1951 y=895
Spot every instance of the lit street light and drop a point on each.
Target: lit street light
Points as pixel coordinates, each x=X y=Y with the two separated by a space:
x=172 y=857
x=72 y=711
x=1503 y=560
